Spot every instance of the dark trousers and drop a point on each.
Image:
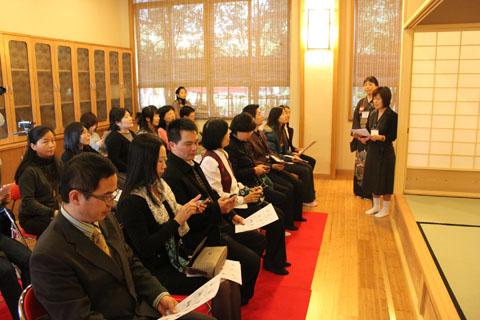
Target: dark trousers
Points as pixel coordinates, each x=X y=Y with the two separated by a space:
x=35 y=225
x=294 y=194
x=12 y=251
x=311 y=161
x=247 y=248
x=275 y=252
x=305 y=173
x=280 y=198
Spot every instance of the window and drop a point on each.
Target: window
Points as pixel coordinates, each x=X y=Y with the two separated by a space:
x=226 y=53
x=377 y=46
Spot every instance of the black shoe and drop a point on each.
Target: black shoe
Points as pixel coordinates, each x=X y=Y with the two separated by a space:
x=301 y=219
x=292 y=227
x=287 y=264
x=279 y=271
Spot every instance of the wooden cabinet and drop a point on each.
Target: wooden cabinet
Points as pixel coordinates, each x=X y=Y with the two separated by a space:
x=54 y=82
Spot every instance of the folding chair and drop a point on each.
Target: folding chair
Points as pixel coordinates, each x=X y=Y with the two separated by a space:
x=29 y=308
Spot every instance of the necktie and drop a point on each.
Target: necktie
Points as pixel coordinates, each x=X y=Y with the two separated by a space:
x=99 y=240
x=200 y=182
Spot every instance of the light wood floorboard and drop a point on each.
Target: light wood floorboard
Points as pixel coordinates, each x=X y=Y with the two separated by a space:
x=359 y=273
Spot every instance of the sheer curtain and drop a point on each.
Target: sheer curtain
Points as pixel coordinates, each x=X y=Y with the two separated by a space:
x=377 y=46
x=226 y=53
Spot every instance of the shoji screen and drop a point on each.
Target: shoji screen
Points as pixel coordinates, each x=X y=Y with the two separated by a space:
x=444 y=128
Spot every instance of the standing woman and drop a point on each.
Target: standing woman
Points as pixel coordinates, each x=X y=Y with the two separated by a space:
x=119 y=139
x=180 y=101
x=38 y=177
x=380 y=162
x=148 y=120
x=76 y=139
x=360 y=118
x=278 y=142
x=154 y=224
x=167 y=115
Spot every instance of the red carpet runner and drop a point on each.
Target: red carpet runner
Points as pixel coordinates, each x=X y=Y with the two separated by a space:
x=287 y=297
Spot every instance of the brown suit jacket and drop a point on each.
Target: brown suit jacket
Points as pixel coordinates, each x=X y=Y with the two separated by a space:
x=73 y=279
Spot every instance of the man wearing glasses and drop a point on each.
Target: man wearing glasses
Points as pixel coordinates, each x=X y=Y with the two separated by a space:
x=81 y=267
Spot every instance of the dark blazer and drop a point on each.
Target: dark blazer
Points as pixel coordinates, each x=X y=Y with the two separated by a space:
x=179 y=176
x=242 y=160
x=117 y=148
x=74 y=279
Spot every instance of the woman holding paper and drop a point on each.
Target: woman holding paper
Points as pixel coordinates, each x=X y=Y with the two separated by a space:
x=360 y=117
x=380 y=162
x=216 y=167
x=154 y=224
x=289 y=133
x=278 y=142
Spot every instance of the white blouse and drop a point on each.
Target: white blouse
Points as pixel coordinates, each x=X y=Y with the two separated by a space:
x=212 y=172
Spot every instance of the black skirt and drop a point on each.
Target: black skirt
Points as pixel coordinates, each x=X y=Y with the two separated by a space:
x=379 y=169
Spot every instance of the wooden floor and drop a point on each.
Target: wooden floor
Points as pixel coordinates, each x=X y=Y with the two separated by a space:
x=359 y=272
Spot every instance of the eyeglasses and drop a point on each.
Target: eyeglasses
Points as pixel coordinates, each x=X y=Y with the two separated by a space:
x=108 y=198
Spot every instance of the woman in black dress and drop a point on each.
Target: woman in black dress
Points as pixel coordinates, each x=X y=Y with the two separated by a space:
x=380 y=162
x=360 y=117
x=76 y=139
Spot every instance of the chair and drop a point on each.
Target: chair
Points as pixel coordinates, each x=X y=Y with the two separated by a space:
x=29 y=308
x=17 y=231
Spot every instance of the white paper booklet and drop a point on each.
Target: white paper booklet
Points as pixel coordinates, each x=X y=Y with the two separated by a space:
x=257 y=220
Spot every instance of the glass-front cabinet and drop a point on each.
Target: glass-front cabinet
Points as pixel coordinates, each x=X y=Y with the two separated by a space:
x=114 y=67
x=65 y=84
x=46 y=87
x=19 y=71
x=85 y=86
x=53 y=83
x=100 y=85
x=127 y=80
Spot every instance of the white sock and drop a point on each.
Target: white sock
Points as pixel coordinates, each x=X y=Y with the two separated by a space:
x=384 y=212
x=376 y=206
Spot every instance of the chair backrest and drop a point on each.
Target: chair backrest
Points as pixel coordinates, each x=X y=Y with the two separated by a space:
x=15 y=192
x=29 y=308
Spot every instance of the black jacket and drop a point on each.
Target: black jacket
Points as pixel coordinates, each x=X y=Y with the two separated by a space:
x=117 y=148
x=242 y=160
x=179 y=176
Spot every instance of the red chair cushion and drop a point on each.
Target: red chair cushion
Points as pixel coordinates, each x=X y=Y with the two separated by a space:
x=15 y=192
x=32 y=308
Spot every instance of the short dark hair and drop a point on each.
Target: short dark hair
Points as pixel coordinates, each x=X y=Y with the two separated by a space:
x=116 y=115
x=243 y=122
x=251 y=109
x=89 y=119
x=185 y=111
x=84 y=172
x=142 y=162
x=213 y=133
x=174 y=129
x=162 y=112
x=371 y=79
x=385 y=94
x=71 y=137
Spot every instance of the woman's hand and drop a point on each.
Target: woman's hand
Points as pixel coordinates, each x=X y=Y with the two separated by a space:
x=238 y=219
x=192 y=207
x=377 y=138
x=167 y=305
x=278 y=166
x=227 y=204
x=260 y=169
x=363 y=140
x=253 y=196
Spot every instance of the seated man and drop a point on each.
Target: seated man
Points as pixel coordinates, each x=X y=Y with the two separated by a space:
x=81 y=267
x=186 y=179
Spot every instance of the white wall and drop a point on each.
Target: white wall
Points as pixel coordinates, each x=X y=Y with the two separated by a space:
x=103 y=22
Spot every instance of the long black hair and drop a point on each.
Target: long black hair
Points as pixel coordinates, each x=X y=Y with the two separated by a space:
x=142 y=163
x=274 y=123
x=71 y=137
x=30 y=157
x=163 y=111
x=147 y=113
x=116 y=115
